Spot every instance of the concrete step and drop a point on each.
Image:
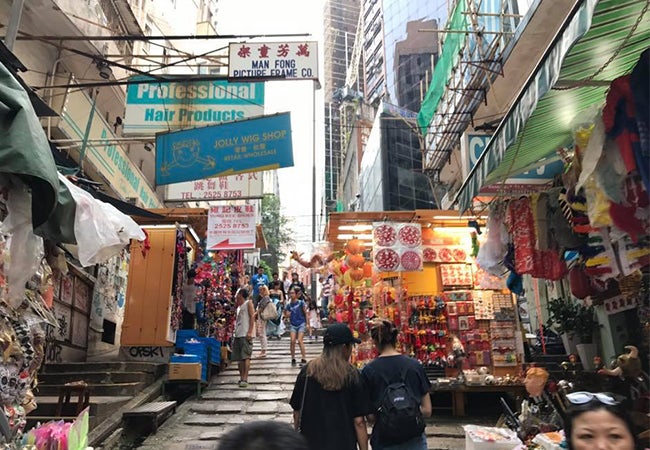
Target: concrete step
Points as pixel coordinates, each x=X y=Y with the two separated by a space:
x=96 y=377
x=99 y=405
x=112 y=389
x=157 y=369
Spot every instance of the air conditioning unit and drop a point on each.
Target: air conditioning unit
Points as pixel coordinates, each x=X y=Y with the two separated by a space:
x=132 y=201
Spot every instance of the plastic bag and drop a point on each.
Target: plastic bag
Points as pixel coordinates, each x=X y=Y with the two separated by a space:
x=100 y=229
x=25 y=248
x=91 y=228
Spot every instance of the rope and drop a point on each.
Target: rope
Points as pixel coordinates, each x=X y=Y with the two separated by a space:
x=586 y=81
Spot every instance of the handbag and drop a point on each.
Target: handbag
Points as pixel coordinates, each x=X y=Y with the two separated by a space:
x=302 y=404
x=270 y=312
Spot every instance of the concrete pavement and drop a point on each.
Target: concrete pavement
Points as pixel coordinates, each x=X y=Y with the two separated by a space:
x=199 y=423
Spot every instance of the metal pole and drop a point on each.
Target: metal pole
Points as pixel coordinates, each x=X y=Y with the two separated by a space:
x=313 y=185
x=84 y=144
x=14 y=22
x=331 y=155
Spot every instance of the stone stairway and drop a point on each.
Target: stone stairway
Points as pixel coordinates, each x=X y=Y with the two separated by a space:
x=111 y=385
x=199 y=423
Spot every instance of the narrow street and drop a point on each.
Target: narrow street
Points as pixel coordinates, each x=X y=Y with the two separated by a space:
x=198 y=424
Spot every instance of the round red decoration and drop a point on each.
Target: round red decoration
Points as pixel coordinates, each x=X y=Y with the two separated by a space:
x=385 y=235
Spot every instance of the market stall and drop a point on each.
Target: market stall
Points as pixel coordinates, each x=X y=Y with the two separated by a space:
x=418 y=269
x=576 y=251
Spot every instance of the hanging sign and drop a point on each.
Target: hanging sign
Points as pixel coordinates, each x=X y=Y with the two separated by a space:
x=156 y=106
x=232 y=187
x=239 y=147
x=231 y=227
x=282 y=60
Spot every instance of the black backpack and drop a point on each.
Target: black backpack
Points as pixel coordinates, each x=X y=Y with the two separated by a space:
x=399 y=417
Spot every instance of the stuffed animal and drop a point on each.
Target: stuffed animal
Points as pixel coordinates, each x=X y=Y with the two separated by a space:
x=628 y=365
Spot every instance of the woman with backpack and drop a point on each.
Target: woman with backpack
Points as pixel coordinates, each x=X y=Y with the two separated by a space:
x=329 y=400
x=399 y=393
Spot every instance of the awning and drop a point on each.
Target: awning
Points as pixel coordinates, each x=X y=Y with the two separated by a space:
x=540 y=120
x=24 y=150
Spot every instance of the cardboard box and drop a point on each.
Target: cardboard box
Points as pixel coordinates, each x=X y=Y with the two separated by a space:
x=184 y=371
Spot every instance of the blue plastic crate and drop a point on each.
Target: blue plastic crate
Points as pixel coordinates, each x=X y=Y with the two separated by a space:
x=214 y=347
x=175 y=358
x=184 y=335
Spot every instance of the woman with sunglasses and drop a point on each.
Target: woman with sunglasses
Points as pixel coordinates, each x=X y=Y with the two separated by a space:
x=598 y=421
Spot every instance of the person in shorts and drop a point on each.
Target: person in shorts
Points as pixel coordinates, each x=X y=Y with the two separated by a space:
x=297 y=312
x=242 y=347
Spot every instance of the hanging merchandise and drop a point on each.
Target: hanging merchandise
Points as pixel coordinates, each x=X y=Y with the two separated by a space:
x=397 y=247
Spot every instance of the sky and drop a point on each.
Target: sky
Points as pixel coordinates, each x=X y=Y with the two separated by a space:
x=241 y=17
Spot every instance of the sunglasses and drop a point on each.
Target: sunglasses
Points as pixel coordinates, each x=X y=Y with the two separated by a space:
x=582 y=397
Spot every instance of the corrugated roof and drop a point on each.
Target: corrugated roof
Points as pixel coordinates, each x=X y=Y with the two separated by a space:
x=516 y=147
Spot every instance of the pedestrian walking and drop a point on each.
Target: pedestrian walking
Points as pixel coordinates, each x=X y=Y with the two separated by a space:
x=329 y=400
x=189 y=302
x=314 y=318
x=296 y=311
x=296 y=283
x=242 y=347
x=325 y=295
x=263 y=435
x=274 y=327
x=395 y=379
x=257 y=281
x=260 y=322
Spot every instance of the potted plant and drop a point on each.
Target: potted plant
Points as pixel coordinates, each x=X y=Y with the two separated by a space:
x=562 y=318
x=586 y=324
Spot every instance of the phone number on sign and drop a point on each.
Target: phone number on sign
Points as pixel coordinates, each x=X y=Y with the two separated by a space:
x=221 y=194
x=231 y=226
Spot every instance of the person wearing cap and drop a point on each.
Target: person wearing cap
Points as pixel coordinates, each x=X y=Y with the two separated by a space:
x=329 y=401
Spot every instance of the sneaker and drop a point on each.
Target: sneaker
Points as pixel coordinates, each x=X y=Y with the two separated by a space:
x=243 y=384
x=293 y=362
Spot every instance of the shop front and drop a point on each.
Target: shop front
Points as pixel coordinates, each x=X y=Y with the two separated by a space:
x=575 y=251
x=418 y=269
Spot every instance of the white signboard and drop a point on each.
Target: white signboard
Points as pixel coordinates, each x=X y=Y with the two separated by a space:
x=231 y=187
x=154 y=106
x=231 y=227
x=288 y=60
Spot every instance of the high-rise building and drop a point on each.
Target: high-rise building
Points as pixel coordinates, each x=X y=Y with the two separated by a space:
x=340 y=18
x=400 y=48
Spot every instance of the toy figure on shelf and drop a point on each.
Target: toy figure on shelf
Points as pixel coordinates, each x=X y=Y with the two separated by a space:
x=628 y=365
x=457 y=356
x=571 y=366
x=598 y=363
x=538 y=414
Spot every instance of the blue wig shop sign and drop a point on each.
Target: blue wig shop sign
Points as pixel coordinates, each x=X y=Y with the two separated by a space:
x=251 y=145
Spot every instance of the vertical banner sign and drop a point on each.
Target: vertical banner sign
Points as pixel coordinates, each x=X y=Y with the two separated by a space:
x=245 y=146
x=231 y=227
x=282 y=60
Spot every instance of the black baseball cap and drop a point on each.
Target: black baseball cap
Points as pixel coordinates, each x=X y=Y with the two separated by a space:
x=339 y=334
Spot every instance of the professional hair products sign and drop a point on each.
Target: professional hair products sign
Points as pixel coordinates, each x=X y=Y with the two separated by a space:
x=156 y=106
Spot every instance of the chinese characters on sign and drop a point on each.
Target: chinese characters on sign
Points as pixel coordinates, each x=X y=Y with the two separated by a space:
x=241 y=186
x=231 y=227
x=288 y=60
